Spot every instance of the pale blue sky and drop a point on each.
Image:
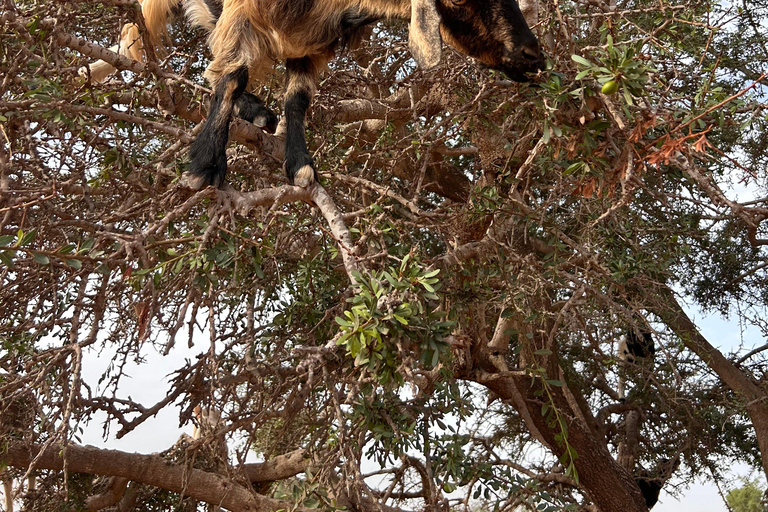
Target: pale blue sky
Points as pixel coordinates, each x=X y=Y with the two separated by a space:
x=727 y=336
x=148 y=384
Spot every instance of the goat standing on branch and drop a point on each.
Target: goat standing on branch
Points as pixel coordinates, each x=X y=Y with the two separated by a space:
x=247 y=37
x=130 y=45
x=633 y=349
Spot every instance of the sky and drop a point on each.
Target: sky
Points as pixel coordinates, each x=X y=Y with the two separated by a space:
x=149 y=382
x=704 y=497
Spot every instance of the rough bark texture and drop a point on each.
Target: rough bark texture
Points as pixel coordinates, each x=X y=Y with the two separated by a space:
x=756 y=398
x=147 y=469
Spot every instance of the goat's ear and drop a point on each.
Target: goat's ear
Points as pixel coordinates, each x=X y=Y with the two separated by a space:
x=424 y=36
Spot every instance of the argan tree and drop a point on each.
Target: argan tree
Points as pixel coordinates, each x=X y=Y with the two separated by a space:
x=435 y=324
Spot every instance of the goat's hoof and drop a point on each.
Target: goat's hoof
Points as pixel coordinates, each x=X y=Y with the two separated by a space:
x=304 y=177
x=267 y=122
x=194 y=182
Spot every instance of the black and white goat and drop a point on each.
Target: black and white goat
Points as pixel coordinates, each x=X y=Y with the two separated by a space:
x=633 y=349
x=651 y=484
x=247 y=37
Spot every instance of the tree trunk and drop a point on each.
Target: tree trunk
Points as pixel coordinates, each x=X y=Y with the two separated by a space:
x=672 y=314
x=610 y=486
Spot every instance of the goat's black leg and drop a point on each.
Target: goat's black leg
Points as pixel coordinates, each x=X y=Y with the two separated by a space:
x=302 y=75
x=250 y=108
x=208 y=153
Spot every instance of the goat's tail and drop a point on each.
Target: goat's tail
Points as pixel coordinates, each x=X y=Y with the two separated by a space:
x=156 y=17
x=201 y=13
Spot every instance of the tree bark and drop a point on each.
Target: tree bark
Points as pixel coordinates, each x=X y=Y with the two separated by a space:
x=530 y=9
x=610 y=486
x=147 y=469
x=672 y=314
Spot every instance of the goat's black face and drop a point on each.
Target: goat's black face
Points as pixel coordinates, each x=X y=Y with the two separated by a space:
x=493 y=32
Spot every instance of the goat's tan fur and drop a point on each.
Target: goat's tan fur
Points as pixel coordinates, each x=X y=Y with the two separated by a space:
x=198 y=15
x=130 y=45
x=258 y=33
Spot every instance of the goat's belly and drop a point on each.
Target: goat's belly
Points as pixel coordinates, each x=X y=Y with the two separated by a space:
x=287 y=47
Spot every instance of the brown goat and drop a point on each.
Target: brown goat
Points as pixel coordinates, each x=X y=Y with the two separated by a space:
x=247 y=37
x=130 y=45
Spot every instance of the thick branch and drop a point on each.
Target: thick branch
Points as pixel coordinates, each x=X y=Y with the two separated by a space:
x=315 y=194
x=112 y=495
x=339 y=229
x=672 y=314
x=609 y=485
x=278 y=468
x=147 y=469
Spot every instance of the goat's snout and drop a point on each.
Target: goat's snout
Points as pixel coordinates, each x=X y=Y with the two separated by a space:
x=531 y=50
x=526 y=57
x=529 y=53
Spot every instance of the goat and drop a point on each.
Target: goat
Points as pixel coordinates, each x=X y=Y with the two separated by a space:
x=207 y=420
x=651 y=484
x=247 y=37
x=247 y=107
x=130 y=45
x=631 y=349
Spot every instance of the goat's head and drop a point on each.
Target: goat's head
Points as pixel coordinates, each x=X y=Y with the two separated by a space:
x=492 y=31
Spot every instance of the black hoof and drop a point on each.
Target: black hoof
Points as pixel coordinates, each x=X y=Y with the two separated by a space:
x=208 y=166
x=300 y=170
x=250 y=108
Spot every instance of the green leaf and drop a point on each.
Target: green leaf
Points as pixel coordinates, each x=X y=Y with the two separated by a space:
x=6 y=258
x=582 y=74
x=404 y=263
x=543 y=352
x=574 y=167
x=42 y=259
x=75 y=264
x=342 y=322
x=6 y=240
x=87 y=245
x=26 y=238
x=581 y=60
x=556 y=383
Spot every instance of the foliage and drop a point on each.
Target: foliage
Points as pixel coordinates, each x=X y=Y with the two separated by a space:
x=747 y=498
x=458 y=349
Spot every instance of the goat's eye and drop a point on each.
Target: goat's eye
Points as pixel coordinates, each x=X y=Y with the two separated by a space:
x=459 y=2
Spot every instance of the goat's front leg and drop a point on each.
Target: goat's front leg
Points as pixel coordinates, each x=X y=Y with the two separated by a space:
x=301 y=79
x=208 y=153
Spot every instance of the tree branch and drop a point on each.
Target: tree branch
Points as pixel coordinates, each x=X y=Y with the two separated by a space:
x=147 y=469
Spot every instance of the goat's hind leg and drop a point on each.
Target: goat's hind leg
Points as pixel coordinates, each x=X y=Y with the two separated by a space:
x=302 y=77
x=250 y=108
x=208 y=153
